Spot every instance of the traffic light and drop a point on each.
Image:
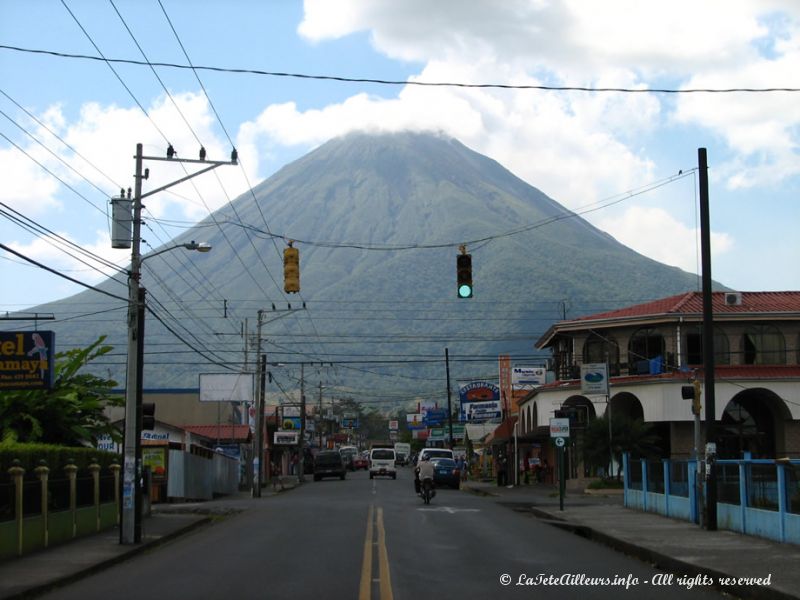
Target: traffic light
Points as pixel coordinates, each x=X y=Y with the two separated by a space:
x=693 y=393
x=291 y=270
x=464 y=273
x=148 y=416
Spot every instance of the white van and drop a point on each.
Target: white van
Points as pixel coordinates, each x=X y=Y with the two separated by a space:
x=382 y=463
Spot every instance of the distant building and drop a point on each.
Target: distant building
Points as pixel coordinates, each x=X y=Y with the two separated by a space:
x=651 y=351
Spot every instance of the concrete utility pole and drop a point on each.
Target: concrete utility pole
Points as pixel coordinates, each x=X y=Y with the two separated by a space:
x=301 y=442
x=130 y=511
x=708 y=343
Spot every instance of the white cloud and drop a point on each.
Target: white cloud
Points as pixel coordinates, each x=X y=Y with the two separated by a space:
x=658 y=235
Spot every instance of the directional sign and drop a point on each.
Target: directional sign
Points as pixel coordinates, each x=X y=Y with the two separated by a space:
x=560 y=442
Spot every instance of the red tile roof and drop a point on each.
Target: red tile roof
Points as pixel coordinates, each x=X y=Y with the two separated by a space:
x=227 y=432
x=692 y=303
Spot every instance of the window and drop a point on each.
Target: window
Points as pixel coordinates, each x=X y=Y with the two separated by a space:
x=645 y=345
x=763 y=345
x=694 y=347
x=602 y=349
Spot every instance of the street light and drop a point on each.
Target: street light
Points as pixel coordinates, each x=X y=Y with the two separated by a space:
x=130 y=514
x=131 y=530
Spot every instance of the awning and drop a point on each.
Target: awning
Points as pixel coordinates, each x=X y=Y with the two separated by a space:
x=504 y=432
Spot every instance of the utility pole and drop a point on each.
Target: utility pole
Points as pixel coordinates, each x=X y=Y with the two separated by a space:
x=130 y=510
x=258 y=451
x=301 y=443
x=449 y=408
x=708 y=343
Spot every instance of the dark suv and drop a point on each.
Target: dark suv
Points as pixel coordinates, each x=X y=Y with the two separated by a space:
x=328 y=463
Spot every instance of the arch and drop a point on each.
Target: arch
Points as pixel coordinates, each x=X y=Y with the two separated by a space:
x=580 y=410
x=626 y=404
x=752 y=421
x=763 y=345
x=602 y=349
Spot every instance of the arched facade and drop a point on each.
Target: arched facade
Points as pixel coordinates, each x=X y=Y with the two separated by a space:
x=752 y=422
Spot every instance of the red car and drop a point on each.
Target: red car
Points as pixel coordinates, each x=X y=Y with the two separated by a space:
x=360 y=462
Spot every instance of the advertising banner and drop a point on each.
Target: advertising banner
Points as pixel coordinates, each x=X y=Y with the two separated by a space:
x=480 y=401
x=414 y=421
x=435 y=417
x=27 y=360
x=594 y=379
x=226 y=387
x=528 y=378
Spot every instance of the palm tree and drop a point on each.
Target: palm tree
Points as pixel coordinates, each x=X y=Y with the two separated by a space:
x=627 y=435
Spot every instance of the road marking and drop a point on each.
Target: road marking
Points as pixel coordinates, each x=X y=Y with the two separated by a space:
x=450 y=509
x=384 y=579
x=364 y=590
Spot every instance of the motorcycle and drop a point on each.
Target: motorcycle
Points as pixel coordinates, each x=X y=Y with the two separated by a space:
x=427 y=490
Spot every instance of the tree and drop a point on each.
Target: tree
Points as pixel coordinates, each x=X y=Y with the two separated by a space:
x=628 y=435
x=69 y=414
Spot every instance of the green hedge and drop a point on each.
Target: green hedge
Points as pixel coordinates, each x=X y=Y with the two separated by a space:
x=55 y=457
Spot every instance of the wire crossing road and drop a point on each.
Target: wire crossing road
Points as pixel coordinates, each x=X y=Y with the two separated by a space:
x=375 y=540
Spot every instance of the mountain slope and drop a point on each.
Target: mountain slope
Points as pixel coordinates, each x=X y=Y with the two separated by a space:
x=378 y=220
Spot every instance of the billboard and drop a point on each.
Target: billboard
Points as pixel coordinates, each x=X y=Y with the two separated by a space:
x=594 y=379
x=27 y=360
x=226 y=387
x=480 y=401
x=414 y=421
x=528 y=378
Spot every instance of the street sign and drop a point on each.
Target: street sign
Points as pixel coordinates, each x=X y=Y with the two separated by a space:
x=560 y=442
x=559 y=428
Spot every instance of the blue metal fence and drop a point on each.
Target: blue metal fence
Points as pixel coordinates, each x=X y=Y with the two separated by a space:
x=754 y=497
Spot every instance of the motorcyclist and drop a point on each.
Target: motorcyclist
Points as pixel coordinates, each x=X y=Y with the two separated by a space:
x=424 y=470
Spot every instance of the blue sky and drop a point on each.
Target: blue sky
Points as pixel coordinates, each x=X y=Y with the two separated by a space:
x=579 y=148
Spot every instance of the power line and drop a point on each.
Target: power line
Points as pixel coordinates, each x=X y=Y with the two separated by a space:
x=391 y=82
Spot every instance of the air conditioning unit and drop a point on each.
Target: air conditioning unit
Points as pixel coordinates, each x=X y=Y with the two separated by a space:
x=733 y=298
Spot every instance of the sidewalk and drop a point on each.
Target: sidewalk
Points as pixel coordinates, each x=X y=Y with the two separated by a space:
x=47 y=569
x=674 y=546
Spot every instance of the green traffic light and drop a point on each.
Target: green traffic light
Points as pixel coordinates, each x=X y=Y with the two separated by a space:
x=465 y=291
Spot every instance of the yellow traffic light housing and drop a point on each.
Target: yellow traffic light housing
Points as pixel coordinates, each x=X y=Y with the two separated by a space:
x=693 y=392
x=291 y=270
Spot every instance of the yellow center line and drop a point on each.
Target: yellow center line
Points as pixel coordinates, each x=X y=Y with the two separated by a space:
x=384 y=577
x=365 y=589
x=383 y=560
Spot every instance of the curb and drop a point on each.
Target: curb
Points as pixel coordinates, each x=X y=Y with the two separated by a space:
x=39 y=589
x=663 y=561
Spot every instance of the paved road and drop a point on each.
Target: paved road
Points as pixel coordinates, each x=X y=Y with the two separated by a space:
x=374 y=539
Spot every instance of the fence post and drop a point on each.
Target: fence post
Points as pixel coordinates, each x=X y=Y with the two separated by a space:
x=780 y=466
x=691 y=481
x=42 y=471
x=667 y=485
x=115 y=470
x=94 y=469
x=16 y=471
x=744 y=486
x=644 y=484
x=626 y=478
x=71 y=470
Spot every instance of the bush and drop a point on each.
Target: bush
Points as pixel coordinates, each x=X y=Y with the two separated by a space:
x=55 y=457
x=606 y=484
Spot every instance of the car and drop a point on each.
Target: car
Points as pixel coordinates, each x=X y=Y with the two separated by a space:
x=329 y=463
x=348 y=454
x=446 y=472
x=382 y=463
x=435 y=453
x=360 y=462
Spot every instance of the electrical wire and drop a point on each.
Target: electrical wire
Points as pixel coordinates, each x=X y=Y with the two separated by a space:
x=409 y=82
